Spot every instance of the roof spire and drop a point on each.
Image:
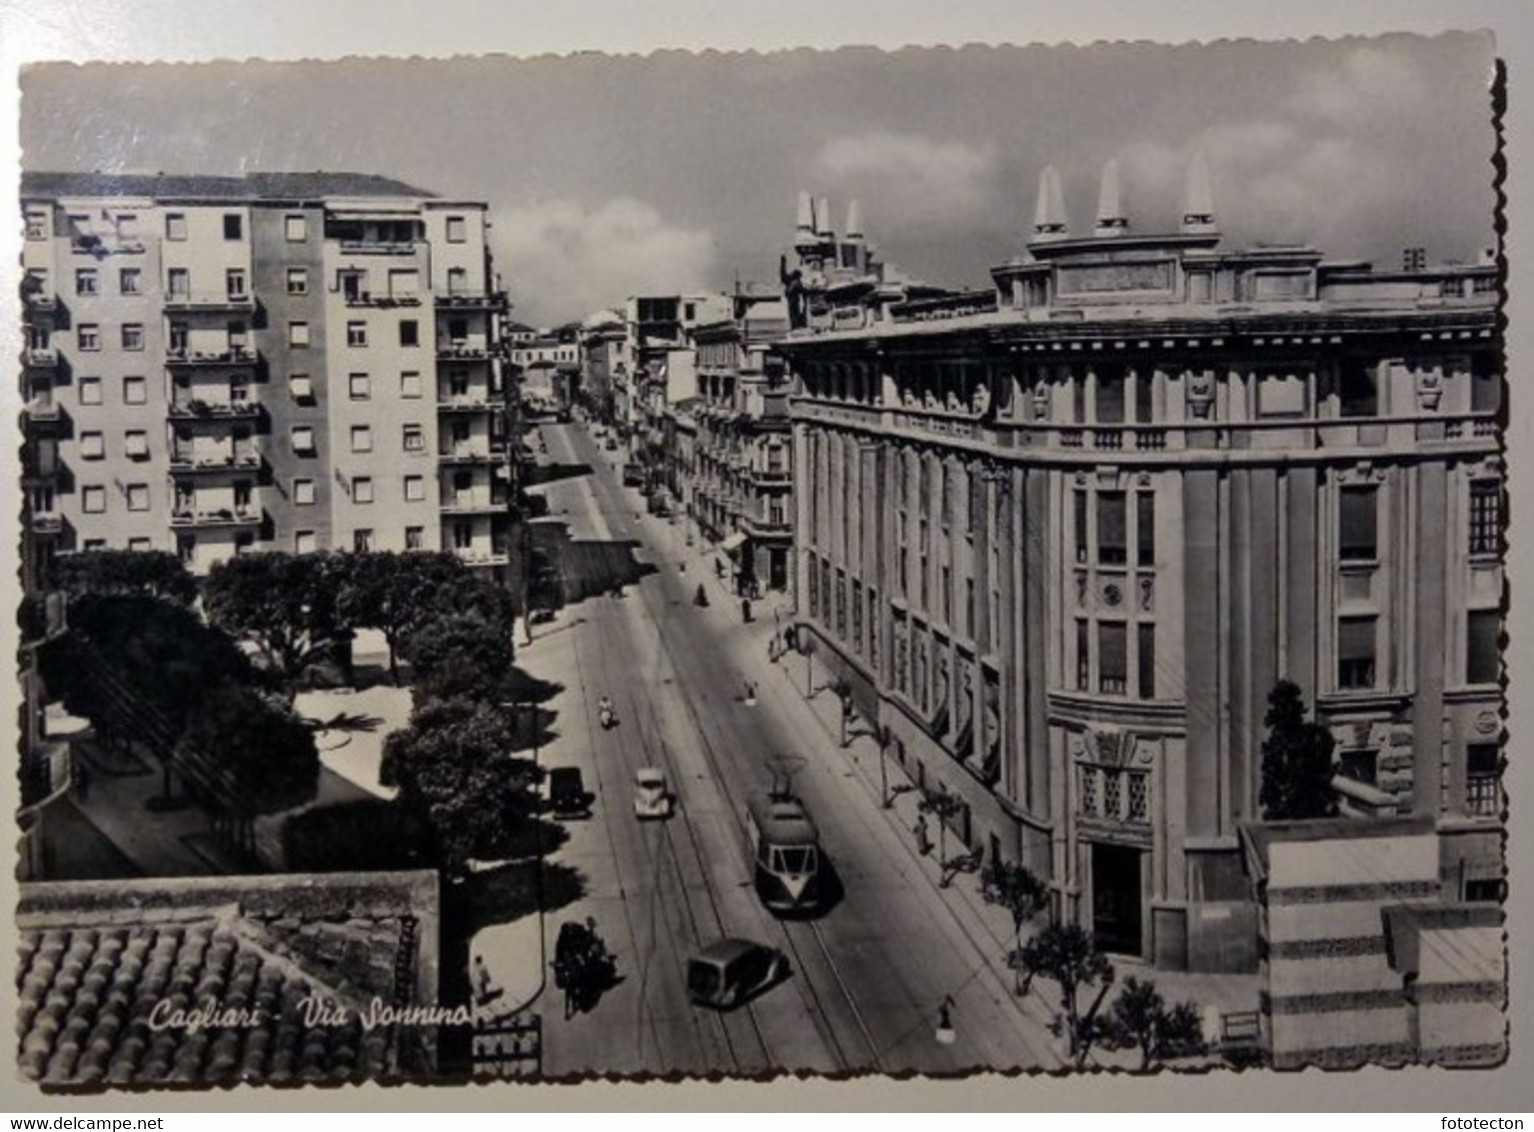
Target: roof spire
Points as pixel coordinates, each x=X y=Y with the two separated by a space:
x=1198 y=201
x=1111 y=220
x=823 y=217
x=854 y=220
x=1049 y=213
x=805 y=225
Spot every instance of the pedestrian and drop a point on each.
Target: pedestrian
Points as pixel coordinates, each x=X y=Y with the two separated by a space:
x=745 y=610
x=923 y=844
x=485 y=989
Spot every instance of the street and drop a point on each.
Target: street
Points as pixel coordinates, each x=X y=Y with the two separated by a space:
x=870 y=976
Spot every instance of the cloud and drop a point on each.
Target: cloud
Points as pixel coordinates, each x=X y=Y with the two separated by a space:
x=910 y=179
x=562 y=259
x=1372 y=81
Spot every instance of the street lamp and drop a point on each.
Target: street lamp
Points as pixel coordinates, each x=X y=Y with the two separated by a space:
x=945 y=1034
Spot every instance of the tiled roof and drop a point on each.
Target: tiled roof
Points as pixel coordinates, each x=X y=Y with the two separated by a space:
x=94 y=980
x=252 y=186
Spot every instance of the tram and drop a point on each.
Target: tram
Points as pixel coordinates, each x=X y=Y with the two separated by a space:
x=790 y=868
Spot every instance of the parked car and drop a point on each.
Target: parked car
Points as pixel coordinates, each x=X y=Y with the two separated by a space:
x=731 y=972
x=633 y=475
x=567 y=793
x=652 y=795
x=611 y=444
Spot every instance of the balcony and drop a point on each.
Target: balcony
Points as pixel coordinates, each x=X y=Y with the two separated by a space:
x=495 y=300
x=385 y=302
x=47 y=523
x=233 y=356
x=219 y=517
x=473 y=503
x=471 y=454
x=769 y=478
x=196 y=410
x=193 y=462
x=463 y=351
x=471 y=557
x=763 y=529
x=378 y=247
x=101 y=246
x=40 y=357
x=466 y=403
x=213 y=301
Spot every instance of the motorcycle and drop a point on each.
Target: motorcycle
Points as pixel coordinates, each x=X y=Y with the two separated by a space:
x=607 y=717
x=583 y=967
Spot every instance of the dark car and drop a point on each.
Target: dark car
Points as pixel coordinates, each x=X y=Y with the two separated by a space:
x=567 y=793
x=731 y=972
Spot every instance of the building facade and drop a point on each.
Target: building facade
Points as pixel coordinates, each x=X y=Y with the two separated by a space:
x=278 y=361
x=741 y=484
x=1063 y=538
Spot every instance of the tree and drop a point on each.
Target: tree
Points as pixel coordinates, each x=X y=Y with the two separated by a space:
x=155 y=573
x=398 y=593
x=1296 y=760
x=1017 y=890
x=1140 y=1019
x=1068 y=955
x=248 y=753
x=456 y=770
x=284 y=604
x=459 y=655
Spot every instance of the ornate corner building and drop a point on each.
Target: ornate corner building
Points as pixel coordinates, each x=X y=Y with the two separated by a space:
x=286 y=361
x=1063 y=536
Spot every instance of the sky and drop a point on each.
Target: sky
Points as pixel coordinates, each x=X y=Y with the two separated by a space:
x=609 y=176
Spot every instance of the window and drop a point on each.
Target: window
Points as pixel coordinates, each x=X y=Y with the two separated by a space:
x=1145 y=407
x=88 y=336
x=1482 y=657
x=178 y=283
x=463 y=536
x=969 y=607
x=1083 y=656
x=415 y=538
x=1112 y=549
x=362 y=438
x=175 y=226
x=237 y=335
x=1358 y=524
x=234 y=282
x=140 y=544
x=85 y=281
x=93 y=500
x=1485 y=516
x=135 y=391
x=356 y=333
x=303 y=542
x=415 y=438
x=457 y=281
x=409 y=332
x=37 y=224
x=1485 y=384
x=1110 y=396
x=410 y=383
x=92 y=445
x=138 y=497
x=1080 y=509
x=415 y=489
x=946 y=584
x=1358 y=389
x=1360 y=766
x=1112 y=658
x=178 y=337
x=360 y=386
x=303 y=492
x=303 y=439
x=296 y=228
x=1483 y=779
x=301 y=385
x=298 y=335
x=130 y=281
x=456 y=233
x=352 y=284
x=95 y=544
x=362 y=540
x=1145 y=660
x=362 y=489
x=234 y=226
x=136 y=444
x=1138 y=795
x=90 y=390
x=298 y=280
x=133 y=336
x=1355 y=652
x=1145 y=529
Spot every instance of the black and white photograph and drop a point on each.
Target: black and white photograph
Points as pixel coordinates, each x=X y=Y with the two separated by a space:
x=721 y=565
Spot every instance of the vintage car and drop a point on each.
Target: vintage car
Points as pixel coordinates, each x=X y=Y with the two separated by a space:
x=731 y=972
x=652 y=794
x=567 y=793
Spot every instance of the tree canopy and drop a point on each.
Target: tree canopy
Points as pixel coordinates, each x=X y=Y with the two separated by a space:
x=154 y=573
x=248 y=752
x=1296 y=760
x=1068 y=955
x=283 y=604
x=1141 y=1019
x=459 y=655
x=456 y=768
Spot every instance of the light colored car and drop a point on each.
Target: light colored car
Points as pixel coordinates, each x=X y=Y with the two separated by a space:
x=652 y=795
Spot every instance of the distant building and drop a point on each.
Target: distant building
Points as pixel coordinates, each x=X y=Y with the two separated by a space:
x=603 y=365
x=293 y=361
x=1065 y=535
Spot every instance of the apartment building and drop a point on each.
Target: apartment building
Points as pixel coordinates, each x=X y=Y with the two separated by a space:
x=294 y=361
x=1063 y=537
